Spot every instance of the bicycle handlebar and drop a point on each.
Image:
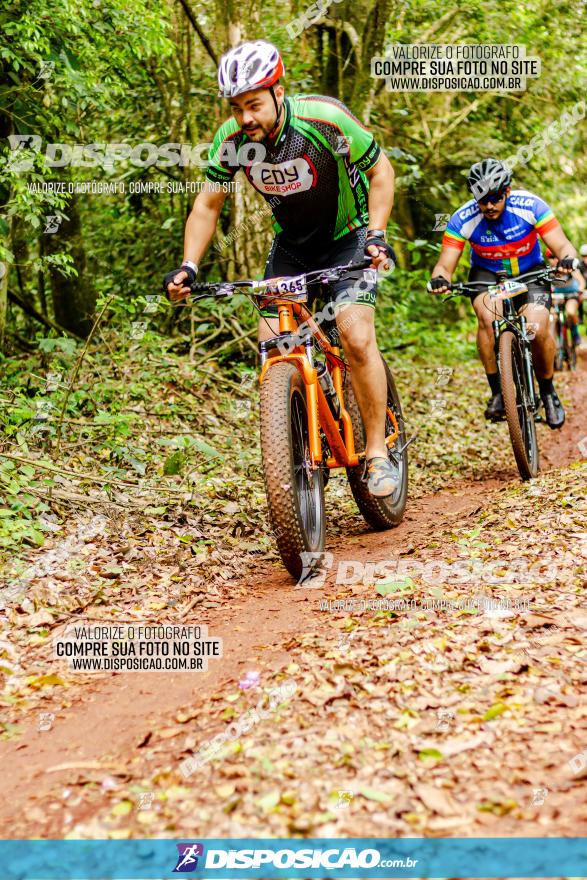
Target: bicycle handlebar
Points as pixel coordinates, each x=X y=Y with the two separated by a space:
x=326 y=276
x=462 y=289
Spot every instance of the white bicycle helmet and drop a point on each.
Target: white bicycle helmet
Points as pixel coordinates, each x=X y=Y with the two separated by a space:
x=487 y=176
x=252 y=65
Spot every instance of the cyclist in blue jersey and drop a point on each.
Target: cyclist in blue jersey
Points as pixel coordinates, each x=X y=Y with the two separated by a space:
x=583 y=271
x=583 y=266
x=572 y=292
x=502 y=226
x=331 y=191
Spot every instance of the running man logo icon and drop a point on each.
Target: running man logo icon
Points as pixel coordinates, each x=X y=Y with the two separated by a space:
x=315 y=568
x=539 y=796
x=52 y=223
x=344 y=799
x=443 y=375
x=343 y=145
x=440 y=222
x=187 y=860
x=46 y=71
x=437 y=405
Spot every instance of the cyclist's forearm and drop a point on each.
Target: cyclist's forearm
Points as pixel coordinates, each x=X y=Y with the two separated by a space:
x=442 y=269
x=381 y=192
x=199 y=229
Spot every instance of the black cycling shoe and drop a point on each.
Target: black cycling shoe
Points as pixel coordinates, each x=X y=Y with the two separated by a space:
x=553 y=410
x=495 y=411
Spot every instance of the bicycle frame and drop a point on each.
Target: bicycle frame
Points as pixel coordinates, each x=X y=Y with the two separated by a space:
x=342 y=446
x=509 y=319
x=320 y=418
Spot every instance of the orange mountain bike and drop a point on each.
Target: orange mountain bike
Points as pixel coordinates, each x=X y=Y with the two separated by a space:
x=310 y=420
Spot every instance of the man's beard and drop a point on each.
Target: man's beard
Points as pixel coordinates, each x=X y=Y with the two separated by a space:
x=258 y=134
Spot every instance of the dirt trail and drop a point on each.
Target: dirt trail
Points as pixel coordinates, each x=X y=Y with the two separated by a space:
x=105 y=719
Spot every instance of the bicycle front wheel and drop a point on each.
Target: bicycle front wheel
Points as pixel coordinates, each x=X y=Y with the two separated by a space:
x=517 y=398
x=295 y=491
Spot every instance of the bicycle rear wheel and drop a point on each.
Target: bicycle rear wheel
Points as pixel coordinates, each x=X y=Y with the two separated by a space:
x=559 y=351
x=295 y=491
x=379 y=513
x=517 y=400
x=570 y=349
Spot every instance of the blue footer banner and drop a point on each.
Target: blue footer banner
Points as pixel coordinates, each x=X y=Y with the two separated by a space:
x=292 y=858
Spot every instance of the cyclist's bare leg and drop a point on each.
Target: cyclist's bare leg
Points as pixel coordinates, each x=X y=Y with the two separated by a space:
x=572 y=308
x=552 y=323
x=543 y=344
x=486 y=310
x=356 y=328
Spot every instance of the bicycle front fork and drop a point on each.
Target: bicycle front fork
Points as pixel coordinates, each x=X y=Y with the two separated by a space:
x=526 y=355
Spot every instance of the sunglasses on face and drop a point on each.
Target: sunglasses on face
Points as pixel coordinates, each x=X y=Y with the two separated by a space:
x=492 y=198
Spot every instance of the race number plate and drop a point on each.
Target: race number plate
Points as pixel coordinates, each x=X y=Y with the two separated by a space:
x=294 y=287
x=509 y=288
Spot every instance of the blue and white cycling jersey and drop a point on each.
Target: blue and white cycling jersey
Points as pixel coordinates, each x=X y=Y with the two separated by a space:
x=511 y=241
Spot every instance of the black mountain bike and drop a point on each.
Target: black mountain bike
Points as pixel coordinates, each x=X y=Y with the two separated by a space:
x=566 y=349
x=514 y=363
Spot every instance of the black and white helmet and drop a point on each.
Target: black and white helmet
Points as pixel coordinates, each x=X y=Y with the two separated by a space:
x=487 y=176
x=253 y=65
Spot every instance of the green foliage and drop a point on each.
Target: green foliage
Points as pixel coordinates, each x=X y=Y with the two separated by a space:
x=21 y=508
x=135 y=71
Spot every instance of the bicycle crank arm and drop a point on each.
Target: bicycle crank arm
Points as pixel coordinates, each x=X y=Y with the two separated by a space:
x=405 y=446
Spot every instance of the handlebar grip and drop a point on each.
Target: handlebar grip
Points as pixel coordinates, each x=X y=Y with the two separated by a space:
x=364 y=264
x=200 y=286
x=451 y=288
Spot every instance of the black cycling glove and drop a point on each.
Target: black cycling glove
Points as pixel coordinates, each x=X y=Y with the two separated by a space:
x=186 y=282
x=567 y=264
x=437 y=283
x=383 y=246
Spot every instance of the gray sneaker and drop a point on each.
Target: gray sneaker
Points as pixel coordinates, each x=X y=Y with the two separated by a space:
x=382 y=478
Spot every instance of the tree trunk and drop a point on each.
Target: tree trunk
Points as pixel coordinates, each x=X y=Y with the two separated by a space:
x=3 y=301
x=372 y=43
x=74 y=299
x=5 y=239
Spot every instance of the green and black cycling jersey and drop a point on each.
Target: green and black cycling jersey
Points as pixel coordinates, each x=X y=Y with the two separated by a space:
x=312 y=173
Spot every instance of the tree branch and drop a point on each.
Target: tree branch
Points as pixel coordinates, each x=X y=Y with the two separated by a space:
x=205 y=41
x=43 y=319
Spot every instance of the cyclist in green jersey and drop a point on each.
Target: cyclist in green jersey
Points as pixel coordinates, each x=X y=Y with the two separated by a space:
x=331 y=192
